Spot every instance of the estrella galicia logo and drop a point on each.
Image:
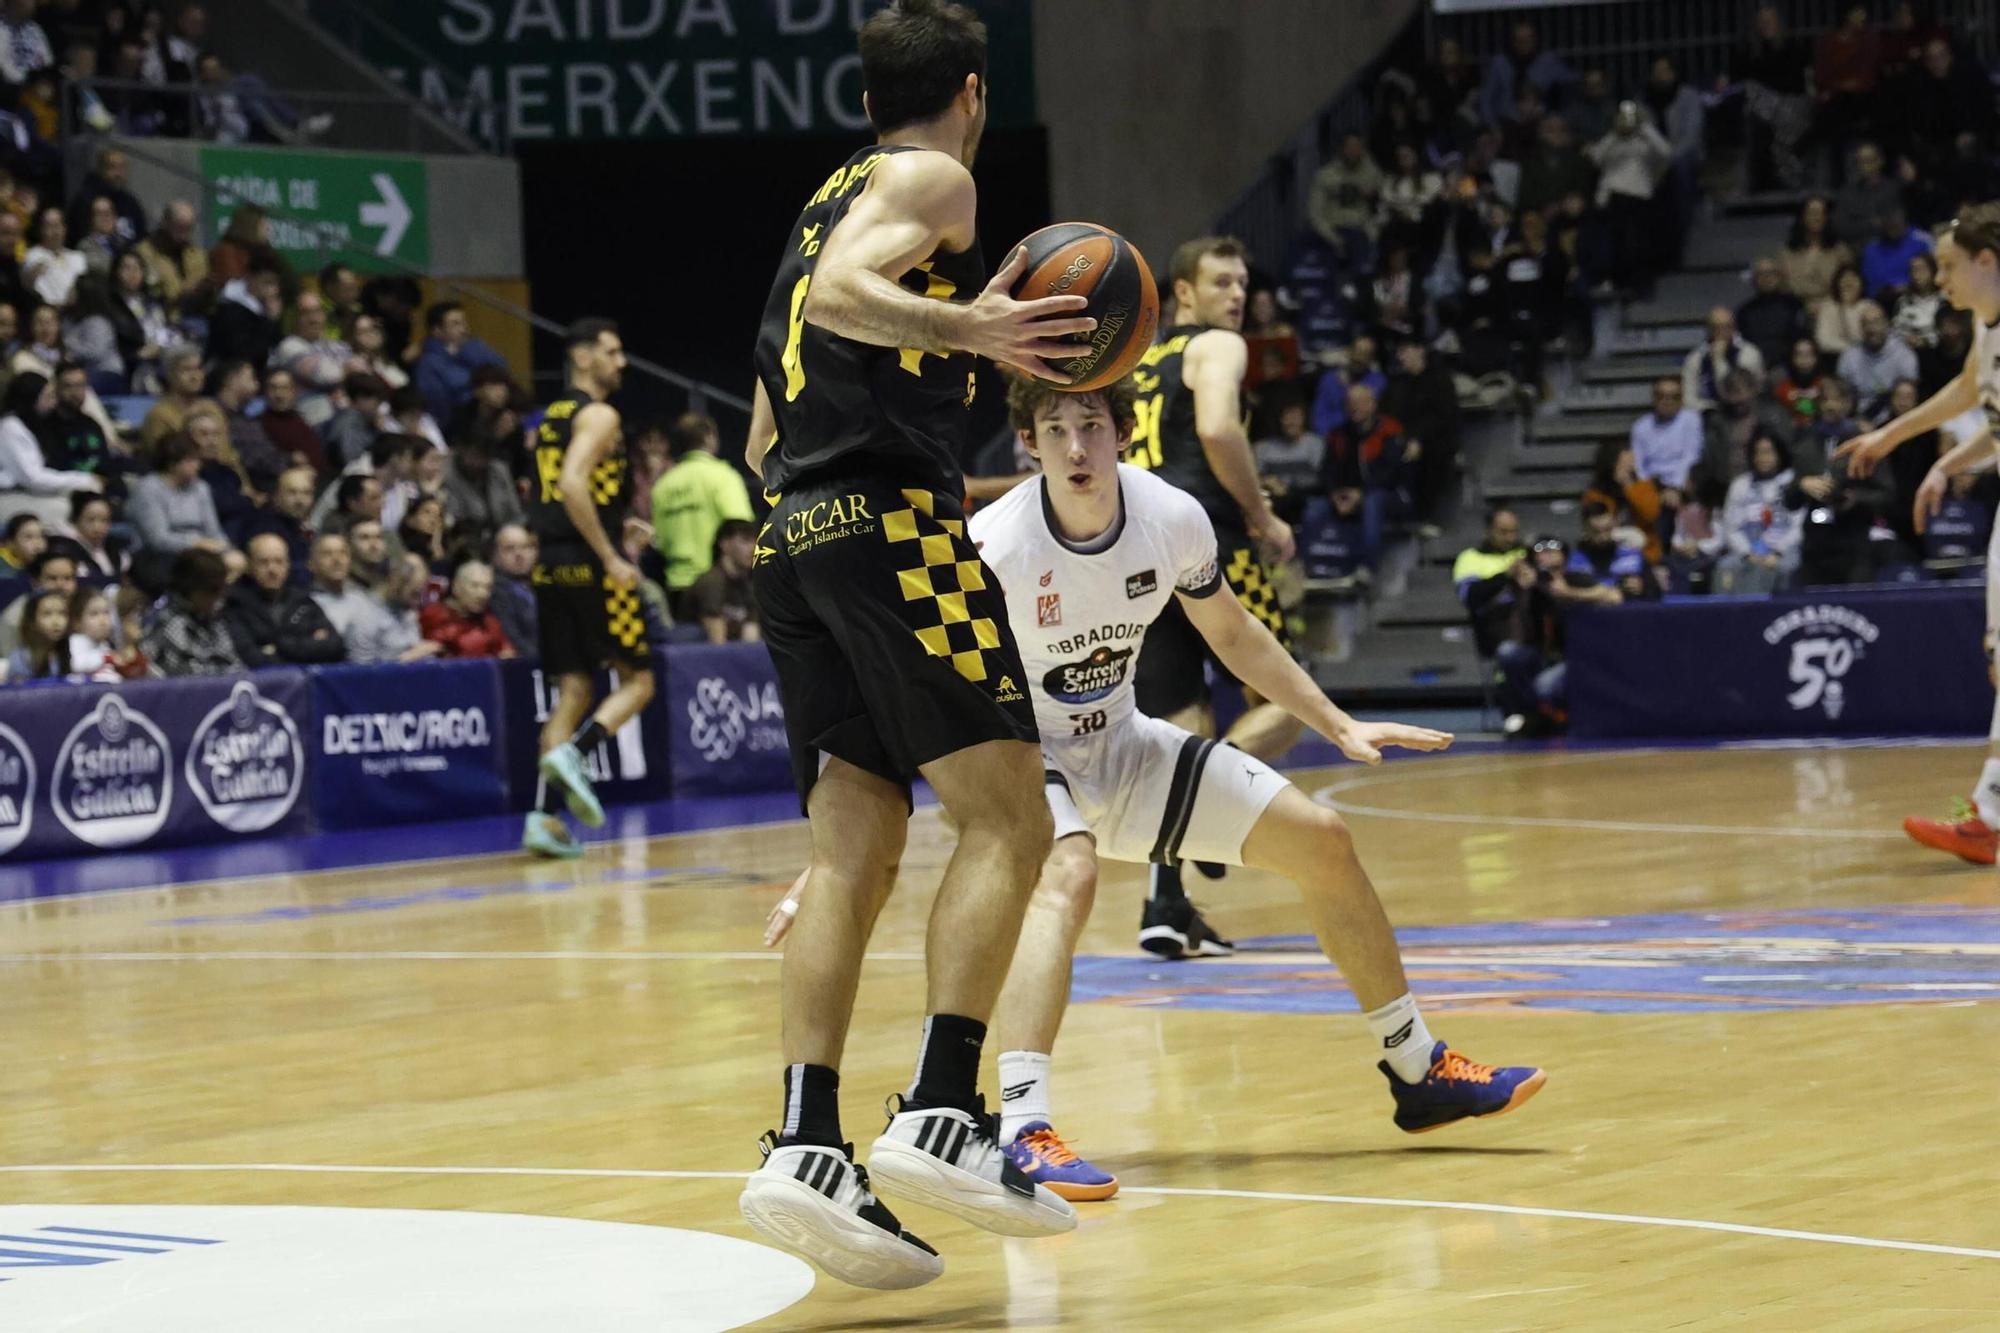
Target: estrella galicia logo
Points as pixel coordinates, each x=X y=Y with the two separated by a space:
x=721 y=721
x=246 y=764
x=1831 y=639
x=17 y=790
x=114 y=776
x=1091 y=679
x=1145 y=581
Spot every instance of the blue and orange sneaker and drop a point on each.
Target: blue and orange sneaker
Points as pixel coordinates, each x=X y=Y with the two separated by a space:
x=1044 y=1158
x=1458 y=1089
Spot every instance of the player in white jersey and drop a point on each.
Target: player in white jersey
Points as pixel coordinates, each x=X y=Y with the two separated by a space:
x=1968 y=256
x=1088 y=554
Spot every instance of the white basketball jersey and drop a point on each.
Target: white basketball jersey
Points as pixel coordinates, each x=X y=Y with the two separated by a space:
x=1080 y=616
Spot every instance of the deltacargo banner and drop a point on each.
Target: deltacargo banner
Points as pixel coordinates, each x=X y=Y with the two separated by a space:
x=1896 y=661
x=402 y=745
x=87 y=768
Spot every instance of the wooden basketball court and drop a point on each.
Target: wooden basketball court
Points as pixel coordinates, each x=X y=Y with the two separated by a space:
x=1770 y=1022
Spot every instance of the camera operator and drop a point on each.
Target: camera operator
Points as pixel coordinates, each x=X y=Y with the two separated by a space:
x=1533 y=686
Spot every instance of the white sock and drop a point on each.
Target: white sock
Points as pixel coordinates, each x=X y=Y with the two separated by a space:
x=1024 y=1091
x=1987 y=797
x=1406 y=1043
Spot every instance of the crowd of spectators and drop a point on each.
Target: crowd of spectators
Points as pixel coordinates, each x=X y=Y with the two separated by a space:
x=133 y=67
x=1481 y=208
x=210 y=462
x=1729 y=483
x=1462 y=232
x=1843 y=328
x=316 y=478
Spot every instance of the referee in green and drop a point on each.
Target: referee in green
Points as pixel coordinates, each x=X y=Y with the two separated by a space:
x=691 y=501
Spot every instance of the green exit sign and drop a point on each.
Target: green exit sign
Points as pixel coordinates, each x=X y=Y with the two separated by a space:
x=363 y=209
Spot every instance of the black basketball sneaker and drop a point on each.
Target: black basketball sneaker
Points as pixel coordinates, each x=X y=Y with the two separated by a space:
x=1174 y=929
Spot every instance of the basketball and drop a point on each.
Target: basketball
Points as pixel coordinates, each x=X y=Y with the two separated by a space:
x=1096 y=263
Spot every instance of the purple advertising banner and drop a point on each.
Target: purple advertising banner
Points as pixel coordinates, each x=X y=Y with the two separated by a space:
x=397 y=745
x=726 y=719
x=1894 y=661
x=88 y=768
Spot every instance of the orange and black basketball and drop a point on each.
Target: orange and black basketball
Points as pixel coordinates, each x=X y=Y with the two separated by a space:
x=1096 y=263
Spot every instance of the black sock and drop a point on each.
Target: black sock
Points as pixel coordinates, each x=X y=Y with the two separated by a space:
x=550 y=801
x=1166 y=885
x=948 y=1062
x=812 y=1106
x=588 y=736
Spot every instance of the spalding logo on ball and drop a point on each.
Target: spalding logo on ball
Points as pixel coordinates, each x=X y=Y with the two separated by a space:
x=1096 y=263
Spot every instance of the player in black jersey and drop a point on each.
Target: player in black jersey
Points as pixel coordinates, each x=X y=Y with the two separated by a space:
x=586 y=593
x=892 y=647
x=1191 y=432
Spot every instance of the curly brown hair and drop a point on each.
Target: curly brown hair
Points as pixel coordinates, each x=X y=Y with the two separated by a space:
x=1026 y=396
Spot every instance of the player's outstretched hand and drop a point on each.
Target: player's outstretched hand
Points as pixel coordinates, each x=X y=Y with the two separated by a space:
x=779 y=923
x=1864 y=451
x=1364 y=741
x=621 y=574
x=1025 y=335
x=1930 y=498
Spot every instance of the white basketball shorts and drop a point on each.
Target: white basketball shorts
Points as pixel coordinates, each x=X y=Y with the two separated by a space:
x=1148 y=791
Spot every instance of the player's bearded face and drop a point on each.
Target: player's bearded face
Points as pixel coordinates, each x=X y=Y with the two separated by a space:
x=607 y=363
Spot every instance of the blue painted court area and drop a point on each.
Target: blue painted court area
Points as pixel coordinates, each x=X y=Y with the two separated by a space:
x=1711 y=961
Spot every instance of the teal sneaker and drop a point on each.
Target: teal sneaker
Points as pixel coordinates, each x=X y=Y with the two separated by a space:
x=564 y=767
x=545 y=835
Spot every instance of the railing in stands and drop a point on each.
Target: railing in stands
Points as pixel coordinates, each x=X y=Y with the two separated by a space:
x=450 y=95
x=374 y=121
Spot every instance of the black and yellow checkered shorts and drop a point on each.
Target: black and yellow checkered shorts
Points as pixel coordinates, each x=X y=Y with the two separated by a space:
x=583 y=622
x=1172 y=671
x=888 y=632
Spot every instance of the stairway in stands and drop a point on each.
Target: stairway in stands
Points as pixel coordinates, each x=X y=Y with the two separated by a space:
x=1418 y=648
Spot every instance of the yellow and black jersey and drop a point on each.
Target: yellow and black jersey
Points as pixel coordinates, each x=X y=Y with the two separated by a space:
x=848 y=406
x=551 y=522
x=1164 y=440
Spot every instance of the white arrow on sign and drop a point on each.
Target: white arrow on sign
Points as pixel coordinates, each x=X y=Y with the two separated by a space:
x=392 y=214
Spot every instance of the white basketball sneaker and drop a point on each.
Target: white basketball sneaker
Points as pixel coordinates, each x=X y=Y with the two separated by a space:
x=951 y=1160
x=813 y=1201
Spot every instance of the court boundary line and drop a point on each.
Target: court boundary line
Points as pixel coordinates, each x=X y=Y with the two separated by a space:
x=1150 y=1191
x=1331 y=794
